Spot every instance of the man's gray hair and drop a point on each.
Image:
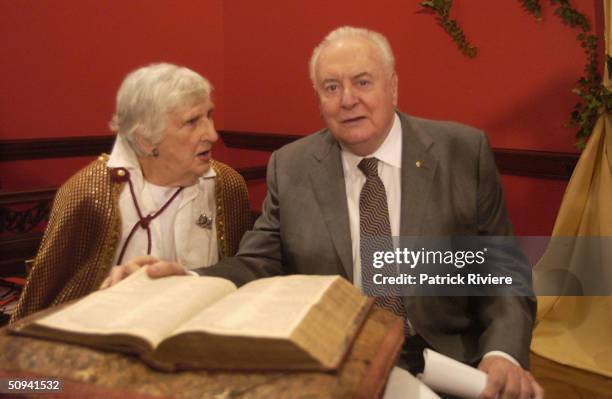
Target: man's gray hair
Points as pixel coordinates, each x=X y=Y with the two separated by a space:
x=375 y=38
x=148 y=94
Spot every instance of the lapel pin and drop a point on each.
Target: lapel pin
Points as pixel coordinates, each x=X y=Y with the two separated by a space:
x=418 y=164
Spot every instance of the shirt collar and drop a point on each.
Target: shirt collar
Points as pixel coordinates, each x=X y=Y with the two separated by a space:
x=123 y=156
x=390 y=151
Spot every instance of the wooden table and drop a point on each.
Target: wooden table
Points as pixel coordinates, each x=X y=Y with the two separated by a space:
x=91 y=373
x=560 y=381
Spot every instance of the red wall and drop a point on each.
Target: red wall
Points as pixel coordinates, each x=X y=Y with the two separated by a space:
x=518 y=88
x=63 y=61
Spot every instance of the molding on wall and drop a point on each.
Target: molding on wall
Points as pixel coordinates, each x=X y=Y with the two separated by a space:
x=14 y=251
x=256 y=141
x=57 y=147
x=64 y=147
x=21 y=197
x=253 y=172
x=537 y=164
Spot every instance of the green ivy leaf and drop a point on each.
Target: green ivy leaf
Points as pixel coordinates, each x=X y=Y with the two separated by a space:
x=442 y=10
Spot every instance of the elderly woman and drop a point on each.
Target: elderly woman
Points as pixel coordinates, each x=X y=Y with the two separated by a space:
x=159 y=193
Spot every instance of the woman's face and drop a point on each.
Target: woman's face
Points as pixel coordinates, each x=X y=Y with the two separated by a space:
x=185 y=150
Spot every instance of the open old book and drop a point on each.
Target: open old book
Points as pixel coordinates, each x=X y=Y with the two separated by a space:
x=187 y=322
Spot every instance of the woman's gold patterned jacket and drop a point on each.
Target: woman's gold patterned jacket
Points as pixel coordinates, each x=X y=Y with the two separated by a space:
x=79 y=244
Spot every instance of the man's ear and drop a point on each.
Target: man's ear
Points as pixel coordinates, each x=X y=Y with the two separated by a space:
x=142 y=142
x=394 y=83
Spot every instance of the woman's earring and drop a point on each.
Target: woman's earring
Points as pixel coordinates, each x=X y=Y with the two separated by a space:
x=155 y=152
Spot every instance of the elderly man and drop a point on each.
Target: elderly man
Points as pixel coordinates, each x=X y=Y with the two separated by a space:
x=429 y=178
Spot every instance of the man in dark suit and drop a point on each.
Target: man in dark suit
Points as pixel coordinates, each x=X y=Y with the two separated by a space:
x=439 y=179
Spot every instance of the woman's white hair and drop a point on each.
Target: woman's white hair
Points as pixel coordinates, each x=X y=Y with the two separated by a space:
x=380 y=41
x=148 y=94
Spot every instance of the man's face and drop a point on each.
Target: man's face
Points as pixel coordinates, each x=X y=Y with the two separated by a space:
x=357 y=93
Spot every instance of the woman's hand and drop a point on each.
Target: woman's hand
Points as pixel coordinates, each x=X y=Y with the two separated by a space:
x=156 y=269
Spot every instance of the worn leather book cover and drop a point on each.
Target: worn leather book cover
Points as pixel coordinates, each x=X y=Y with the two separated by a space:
x=188 y=322
x=93 y=373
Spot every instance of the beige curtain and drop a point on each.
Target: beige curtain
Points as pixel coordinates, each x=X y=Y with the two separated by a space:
x=577 y=331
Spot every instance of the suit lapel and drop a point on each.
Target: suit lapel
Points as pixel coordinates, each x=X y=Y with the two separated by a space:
x=418 y=167
x=327 y=180
x=328 y=185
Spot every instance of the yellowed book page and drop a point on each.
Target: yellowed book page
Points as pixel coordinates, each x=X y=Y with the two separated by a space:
x=271 y=307
x=141 y=306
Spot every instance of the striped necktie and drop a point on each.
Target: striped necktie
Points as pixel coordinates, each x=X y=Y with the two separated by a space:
x=375 y=235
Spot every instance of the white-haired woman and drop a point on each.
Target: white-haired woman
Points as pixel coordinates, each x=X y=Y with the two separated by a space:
x=159 y=193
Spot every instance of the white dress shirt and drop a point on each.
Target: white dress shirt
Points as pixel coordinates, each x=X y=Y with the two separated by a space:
x=175 y=236
x=389 y=155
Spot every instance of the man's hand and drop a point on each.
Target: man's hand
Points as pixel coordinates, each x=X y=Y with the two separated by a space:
x=506 y=380
x=156 y=269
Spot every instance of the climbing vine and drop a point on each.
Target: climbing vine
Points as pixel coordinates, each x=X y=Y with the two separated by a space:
x=593 y=96
x=442 y=10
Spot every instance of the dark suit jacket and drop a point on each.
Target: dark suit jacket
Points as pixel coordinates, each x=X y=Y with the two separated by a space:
x=304 y=228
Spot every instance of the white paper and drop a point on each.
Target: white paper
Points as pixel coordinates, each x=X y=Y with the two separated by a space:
x=403 y=385
x=449 y=376
x=282 y=302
